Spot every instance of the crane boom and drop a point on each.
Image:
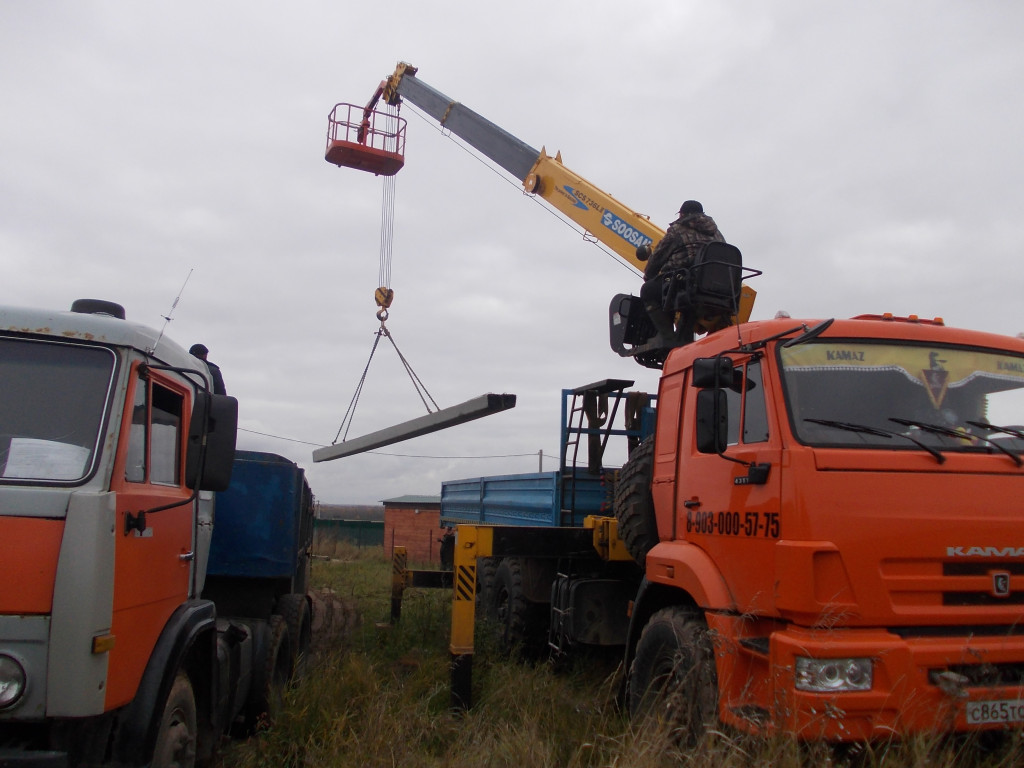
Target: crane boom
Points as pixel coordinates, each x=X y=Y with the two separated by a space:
x=605 y=218
x=711 y=290
x=514 y=155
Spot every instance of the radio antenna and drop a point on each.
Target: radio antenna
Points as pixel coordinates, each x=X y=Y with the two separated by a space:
x=174 y=305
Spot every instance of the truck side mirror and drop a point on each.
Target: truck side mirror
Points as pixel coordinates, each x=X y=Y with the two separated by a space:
x=712 y=420
x=712 y=372
x=214 y=425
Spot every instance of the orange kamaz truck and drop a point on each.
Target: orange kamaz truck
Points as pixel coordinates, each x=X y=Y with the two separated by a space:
x=825 y=537
x=819 y=531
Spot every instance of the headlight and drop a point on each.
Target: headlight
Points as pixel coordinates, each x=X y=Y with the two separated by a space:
x=833 y=675
x=12 y=681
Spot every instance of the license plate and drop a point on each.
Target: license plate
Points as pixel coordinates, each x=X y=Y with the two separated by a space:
x=1005 y=711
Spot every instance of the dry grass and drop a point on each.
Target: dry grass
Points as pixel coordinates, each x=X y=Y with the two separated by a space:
x=380 y=697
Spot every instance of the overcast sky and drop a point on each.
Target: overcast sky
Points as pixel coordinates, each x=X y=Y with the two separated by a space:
x=867 y=156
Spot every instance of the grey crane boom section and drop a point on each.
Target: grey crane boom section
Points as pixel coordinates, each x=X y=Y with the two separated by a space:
x=512 y=154
x=478 y=407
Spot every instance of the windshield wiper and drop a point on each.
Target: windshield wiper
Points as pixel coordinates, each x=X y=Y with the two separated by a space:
x=1014 y=431
x=807 y=335
x=866 y=430
x=810 y=333
x=939 y=429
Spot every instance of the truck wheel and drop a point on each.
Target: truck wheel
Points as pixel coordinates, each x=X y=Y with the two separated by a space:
x=672 y=677
x=634 y=507
x=446 y=553
x=294 y=609
x=486 y=571
x=272 y=669
x=178 y=734
x=518 y=621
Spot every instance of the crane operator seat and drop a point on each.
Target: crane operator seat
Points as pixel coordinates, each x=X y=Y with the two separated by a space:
x=706 y=295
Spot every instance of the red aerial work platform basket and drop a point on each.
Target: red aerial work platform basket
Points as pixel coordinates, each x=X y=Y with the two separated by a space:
x=365 y=139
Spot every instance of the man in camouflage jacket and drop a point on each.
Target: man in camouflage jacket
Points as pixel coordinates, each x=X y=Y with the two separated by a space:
x=676 y=251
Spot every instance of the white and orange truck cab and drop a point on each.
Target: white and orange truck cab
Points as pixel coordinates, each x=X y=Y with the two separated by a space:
x=113 y=453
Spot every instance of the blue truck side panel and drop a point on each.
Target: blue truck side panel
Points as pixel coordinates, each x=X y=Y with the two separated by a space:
x=563 y=498
x=263 y=523
x=537 y=499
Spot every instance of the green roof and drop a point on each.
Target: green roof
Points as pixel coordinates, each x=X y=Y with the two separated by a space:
x=411 y=501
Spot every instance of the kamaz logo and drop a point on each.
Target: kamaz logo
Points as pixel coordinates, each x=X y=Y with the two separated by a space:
x=984 y=551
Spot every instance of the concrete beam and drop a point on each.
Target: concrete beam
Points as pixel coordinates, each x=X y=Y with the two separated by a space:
x=478 y=407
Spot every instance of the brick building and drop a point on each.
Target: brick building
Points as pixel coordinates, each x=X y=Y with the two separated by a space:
x=413 y=522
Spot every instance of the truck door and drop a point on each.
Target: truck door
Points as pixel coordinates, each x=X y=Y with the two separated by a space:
x=723 y=506
x=154 y=536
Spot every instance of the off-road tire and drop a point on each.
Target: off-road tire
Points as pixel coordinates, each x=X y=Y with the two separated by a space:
x=486 y=569
x=634 y=506
x=673 y=680
x=294 y=609
x=446 y=552
x=272 y=669
x=520 y=623
x=178 y=734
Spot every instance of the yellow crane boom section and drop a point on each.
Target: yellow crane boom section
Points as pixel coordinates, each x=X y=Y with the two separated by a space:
x=601 y=215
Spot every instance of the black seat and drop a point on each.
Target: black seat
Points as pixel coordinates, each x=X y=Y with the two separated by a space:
x=711 y=286
x=704 y=298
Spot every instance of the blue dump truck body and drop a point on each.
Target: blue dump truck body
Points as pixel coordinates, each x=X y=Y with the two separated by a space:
x=537 y=499
x=580 y=488
x=263 y=532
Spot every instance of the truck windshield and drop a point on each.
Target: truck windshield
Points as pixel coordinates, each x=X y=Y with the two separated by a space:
x=54 y=401
x=870 y=394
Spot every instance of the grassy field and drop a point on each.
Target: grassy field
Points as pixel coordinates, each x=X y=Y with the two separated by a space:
x=378 y=696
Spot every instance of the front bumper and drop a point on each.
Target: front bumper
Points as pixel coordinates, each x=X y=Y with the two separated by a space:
x=924 y=682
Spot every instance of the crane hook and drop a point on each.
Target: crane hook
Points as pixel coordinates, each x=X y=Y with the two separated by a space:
x=383 y=296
